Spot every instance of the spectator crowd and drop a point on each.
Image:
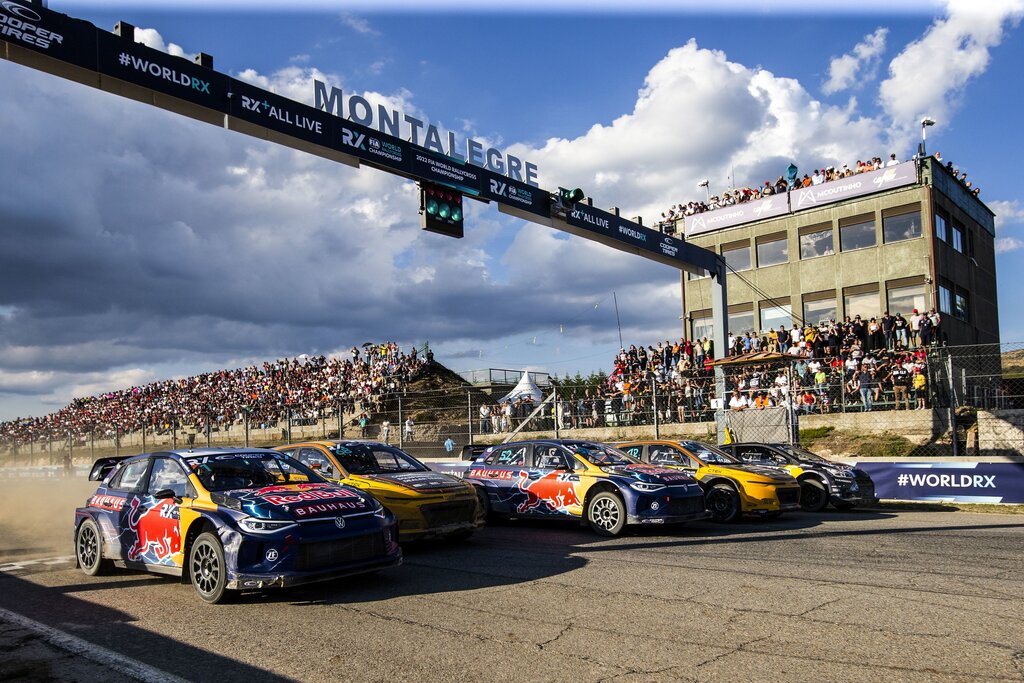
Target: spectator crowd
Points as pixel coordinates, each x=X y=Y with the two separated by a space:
x=853 y=364
x=667 y=222
x=304 y=386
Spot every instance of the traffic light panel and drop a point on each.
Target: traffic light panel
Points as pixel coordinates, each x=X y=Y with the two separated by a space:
x=562 y=202
x=441 y=210
x=571 y=196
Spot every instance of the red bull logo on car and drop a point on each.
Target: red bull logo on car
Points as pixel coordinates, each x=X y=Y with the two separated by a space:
x=555 y=491
x=156 y=531
x=304 y=496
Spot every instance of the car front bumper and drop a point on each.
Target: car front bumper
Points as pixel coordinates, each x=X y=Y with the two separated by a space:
x=252 y=581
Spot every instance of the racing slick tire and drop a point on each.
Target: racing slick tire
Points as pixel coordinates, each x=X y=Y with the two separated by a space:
x=813 y=495
x=89 y=550
x=724 y=503
x=606 y=514
x=208 y=570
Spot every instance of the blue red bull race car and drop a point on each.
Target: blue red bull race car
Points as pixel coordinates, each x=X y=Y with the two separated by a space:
x=226 y=520
x=595 y=483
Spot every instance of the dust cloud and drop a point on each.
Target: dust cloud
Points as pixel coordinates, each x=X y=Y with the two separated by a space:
x=37 y=515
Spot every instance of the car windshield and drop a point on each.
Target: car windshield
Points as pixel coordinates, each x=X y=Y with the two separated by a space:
x=375 y=459
x=601 y=455
x=709 y=455
x=801 y=453
x=233 y=471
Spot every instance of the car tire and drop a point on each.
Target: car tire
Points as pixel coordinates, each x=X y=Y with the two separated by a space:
x=813 y=495
x=606 y=514
x=485 y=503
x=89 y=550
x=208 y=570
x=723 y=502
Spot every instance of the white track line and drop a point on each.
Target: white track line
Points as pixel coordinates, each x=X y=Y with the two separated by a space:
x=95 y=653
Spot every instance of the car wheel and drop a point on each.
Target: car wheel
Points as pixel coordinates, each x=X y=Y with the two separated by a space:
x=606 y=514
x=813 y=496
x=89 y=550
x=724 y=503
x=485 y=503
x=208 y=570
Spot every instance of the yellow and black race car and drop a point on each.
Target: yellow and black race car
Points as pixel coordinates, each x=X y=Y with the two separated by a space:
x=428 y=504
x=731 y=487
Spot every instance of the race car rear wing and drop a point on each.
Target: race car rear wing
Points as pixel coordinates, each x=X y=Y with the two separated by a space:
x=104 y=466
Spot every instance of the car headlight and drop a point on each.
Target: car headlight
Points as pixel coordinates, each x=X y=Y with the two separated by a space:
x=264 y=526
x=378 y=508
x=646 y=487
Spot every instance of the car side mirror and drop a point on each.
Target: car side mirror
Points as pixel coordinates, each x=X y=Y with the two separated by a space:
x=164 y=494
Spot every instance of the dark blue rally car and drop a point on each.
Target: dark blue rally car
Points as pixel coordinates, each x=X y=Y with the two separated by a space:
x=595 y=483
x=230 y=519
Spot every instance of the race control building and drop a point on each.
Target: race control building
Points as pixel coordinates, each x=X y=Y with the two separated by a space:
x=905 y=236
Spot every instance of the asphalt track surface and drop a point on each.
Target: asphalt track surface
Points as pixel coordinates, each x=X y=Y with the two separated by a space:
x=853 y=596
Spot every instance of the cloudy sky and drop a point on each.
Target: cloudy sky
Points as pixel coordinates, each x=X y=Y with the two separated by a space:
x=138 y=245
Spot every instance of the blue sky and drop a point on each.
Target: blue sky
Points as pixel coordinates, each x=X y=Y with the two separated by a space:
x=177 y=247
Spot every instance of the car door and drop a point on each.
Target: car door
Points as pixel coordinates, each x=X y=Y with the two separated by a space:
x=501 y=474
x=152 y=523
x=550 y=483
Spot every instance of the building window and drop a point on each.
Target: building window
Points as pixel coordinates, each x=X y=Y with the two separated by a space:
x=741 y=323
x=905 y=226
x=865 y=305
x=905 y=299
x=815 y=244
x=772 y=253
x=703 y=327
x=737 y=258
x=945 y=300
x=819 y=311
x=960 y=305
x=774 y=316
x=940 y=226
x=857 y=235
x=957 y=235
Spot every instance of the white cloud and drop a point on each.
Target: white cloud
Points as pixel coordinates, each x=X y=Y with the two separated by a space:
x=1007 y=212
x=859 y=66
x=697 y=116
x=1005 y=244
x=152 y=38
x=929 y=75
x=359 y=25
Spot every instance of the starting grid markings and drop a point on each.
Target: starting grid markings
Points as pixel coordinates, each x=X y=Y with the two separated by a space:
x=40 y=564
